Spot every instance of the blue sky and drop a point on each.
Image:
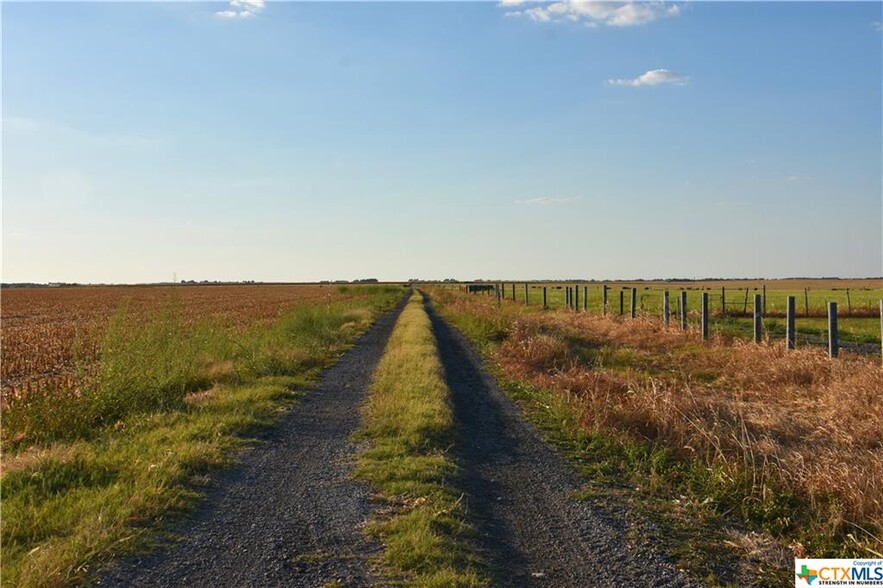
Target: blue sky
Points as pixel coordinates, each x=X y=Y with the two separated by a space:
x=308 y=141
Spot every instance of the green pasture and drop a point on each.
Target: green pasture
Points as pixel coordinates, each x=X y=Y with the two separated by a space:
x=858 y=313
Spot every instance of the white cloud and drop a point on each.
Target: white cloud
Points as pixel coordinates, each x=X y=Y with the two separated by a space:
x=242 y=9
x=545 y=200
x=878 y=25
x=654 y=77
x=594 y=13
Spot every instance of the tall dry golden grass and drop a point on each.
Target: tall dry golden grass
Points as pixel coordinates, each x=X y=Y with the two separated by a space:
x=786 y=421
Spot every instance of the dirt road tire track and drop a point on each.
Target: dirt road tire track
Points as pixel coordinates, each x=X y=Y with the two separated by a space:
x=288 y=514
x=519 y=493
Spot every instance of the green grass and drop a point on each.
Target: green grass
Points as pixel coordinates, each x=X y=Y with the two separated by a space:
x=409 y=424
x=853 y=330
x=104 y=468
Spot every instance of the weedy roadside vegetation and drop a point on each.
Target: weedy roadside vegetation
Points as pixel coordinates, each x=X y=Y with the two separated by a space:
x=787 y=443
x=409 y=424
x=89 y=472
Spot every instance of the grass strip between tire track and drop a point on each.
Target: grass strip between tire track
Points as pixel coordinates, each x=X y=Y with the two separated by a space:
x=409 y=423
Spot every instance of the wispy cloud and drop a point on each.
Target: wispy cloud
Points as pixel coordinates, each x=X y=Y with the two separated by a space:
x=798 y=178
x=878 y=25
x=593 y=13
x=546 y=201
x=654 y=77
x=28 y=126
x=242 y=9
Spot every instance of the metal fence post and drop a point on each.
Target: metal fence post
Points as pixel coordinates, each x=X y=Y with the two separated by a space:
x=833 y=342
x=705 y=315
x=758 y=320
x=683 y=306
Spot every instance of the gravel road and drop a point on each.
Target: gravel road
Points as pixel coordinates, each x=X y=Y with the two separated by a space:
x=518 y=490
x=289 y=514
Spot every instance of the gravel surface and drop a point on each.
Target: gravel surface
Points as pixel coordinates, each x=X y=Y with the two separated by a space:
x=289 y=514
x=518 y=490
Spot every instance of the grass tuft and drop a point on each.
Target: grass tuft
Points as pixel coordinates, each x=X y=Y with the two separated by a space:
x=409 y=423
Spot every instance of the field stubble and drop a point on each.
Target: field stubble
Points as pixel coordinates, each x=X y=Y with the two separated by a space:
x=49 y=333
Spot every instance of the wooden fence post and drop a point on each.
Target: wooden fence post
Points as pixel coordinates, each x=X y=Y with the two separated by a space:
x=545 y=301
x=585 y=299
x=621 y=302
x=665 y=308
x=683 y=308
x=723 y=301
x=513 y=292
x=745 y=306
x=526 y=294
x=833 y=342
x=848 y=302
x=806 y=301
x=634 y=302
x=789 y=326
x=576 y=298
x=604 y=304
x=758 y=320
x=705 y=315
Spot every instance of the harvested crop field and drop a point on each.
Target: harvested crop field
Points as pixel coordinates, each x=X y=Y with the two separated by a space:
x=46 y=331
